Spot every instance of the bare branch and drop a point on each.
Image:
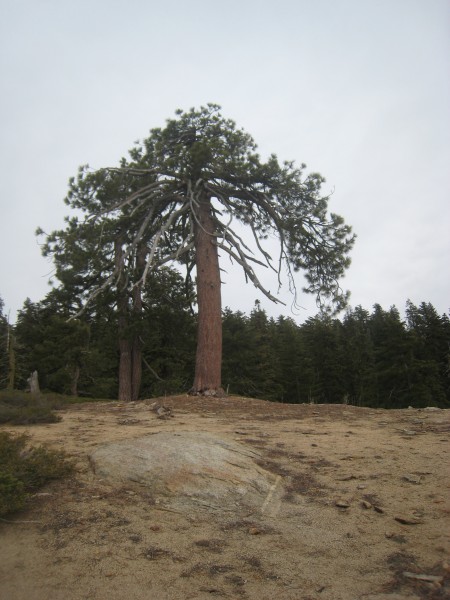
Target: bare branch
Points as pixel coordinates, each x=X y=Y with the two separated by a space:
x=152 y=371
x=241 y=260
x=234 y=243
x=172 y=217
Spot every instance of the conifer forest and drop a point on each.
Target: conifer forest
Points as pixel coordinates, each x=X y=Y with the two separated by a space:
x=366 y=358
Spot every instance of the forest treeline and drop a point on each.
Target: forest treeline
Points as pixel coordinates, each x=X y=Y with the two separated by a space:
x=365 y=358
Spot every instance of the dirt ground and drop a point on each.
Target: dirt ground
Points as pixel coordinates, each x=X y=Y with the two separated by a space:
x=360 y=511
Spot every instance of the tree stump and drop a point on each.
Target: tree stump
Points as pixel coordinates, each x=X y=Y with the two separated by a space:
x=33 y=382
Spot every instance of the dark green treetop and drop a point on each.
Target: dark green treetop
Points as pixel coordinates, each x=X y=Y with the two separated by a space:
x=153 y=197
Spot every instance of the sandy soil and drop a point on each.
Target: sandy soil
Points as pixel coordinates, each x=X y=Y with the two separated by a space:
x=362 y=499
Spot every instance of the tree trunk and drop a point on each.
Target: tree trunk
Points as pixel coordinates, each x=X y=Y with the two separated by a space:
x=11 y=359
x=33 y=381
x=208 y=363
x=136 y=366
x=74 y=382
x=124 y=364
x=125 y=393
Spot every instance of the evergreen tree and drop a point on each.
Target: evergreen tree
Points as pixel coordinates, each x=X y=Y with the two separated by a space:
x=167 y=333
x=393 y=353
x=264 y=362
x=81 y=356
x=238 y=351
x=359 y=358
x=292 y=368
x=323 y=344
x=250 y=360
x=4 y=347
x=178 y=195
x=96 y=256
x=51 y=345
x=430 y=334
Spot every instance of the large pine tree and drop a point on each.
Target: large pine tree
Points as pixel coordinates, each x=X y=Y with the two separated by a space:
x=180 y=194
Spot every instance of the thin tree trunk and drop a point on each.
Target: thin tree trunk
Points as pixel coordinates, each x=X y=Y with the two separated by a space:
x=74 y=382
x=208 y=363
x=125 y=393
x=136 y=366
x=33 y=381
x=11 y=359
x=124 y=365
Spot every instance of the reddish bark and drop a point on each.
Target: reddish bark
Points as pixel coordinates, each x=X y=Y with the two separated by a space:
x=125 y=352
x=208 y=364
x=130 y=345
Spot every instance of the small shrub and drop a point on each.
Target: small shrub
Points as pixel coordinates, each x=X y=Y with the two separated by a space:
x=24 y=469
x=12 y=493
x=19 y=408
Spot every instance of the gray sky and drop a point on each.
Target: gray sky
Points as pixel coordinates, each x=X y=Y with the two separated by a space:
x=359 y=90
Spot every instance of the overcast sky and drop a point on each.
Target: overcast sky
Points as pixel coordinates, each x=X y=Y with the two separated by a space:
x=359 y=90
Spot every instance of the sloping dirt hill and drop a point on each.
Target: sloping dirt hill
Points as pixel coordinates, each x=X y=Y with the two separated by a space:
x=355 y=507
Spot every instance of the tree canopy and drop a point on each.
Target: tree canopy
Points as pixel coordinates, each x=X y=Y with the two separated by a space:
x=177 y=197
